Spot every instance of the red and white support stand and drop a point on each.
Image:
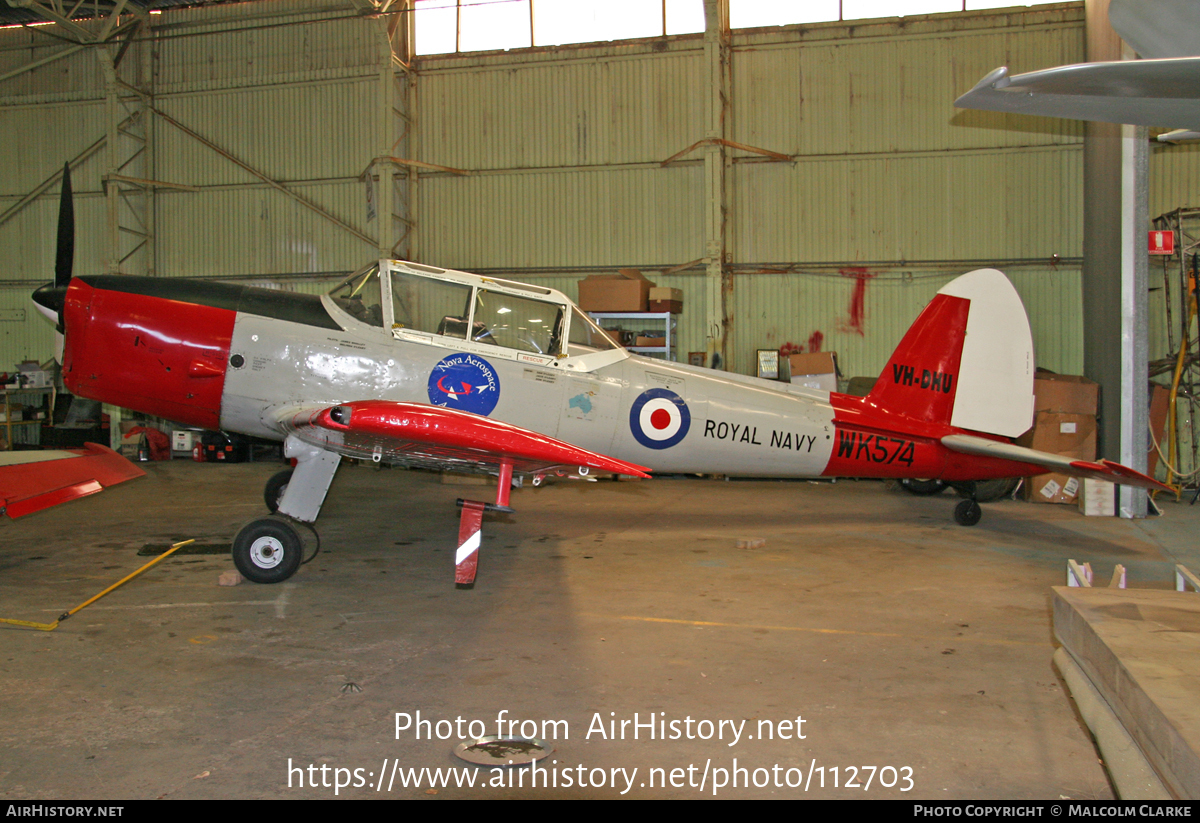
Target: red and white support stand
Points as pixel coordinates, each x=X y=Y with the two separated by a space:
x=470 y=528
x=466 y=559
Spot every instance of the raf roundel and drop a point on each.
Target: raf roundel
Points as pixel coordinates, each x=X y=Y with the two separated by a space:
x=659 y=419
x=464 y=382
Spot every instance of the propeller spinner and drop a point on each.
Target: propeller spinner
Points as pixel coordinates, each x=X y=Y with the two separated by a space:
x=50 y=297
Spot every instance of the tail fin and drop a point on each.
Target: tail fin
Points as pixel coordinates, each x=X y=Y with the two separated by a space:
x=966 y=361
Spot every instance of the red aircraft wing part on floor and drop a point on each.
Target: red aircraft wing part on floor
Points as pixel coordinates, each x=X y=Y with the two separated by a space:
x=32 y=481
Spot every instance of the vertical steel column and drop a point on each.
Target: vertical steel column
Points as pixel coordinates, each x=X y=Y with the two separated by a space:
x=396 y=182
x=127 y=179
x=112 y=108
x=718 y=285
x=1115 y=219
x=146 y=59
x=385 y=202
x=1135 y=355
x=406 y=41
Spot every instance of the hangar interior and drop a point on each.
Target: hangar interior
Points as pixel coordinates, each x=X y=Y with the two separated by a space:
x=806 y=186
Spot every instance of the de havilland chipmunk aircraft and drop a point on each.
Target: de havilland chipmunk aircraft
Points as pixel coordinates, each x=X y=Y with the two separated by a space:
x=412 y=365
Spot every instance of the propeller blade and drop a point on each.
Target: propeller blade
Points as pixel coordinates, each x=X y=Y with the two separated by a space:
x=64 y=260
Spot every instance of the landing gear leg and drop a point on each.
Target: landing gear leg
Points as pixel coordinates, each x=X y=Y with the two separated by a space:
x=967 y=512
x=269 y=549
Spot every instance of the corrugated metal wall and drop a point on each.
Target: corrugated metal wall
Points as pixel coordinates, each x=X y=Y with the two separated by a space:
x=290 y=89
x=888 y=175
x=892 y=192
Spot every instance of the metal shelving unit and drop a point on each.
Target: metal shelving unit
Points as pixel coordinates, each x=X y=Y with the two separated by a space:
x=10 y=424
x=645 y=321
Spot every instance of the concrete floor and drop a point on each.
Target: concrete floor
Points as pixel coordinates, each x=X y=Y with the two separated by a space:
x=901 y=639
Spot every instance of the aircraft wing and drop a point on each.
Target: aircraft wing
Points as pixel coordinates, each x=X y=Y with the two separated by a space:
x=425 y=436
x=1158 y=28
x=1162 y=92
x=34 y=480
x=1097 y=470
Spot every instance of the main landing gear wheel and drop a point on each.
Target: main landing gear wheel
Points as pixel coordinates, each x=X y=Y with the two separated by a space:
x=922 y=488
x=967 y=513
x=276 y=486
x=268 y=550
x=988 y=490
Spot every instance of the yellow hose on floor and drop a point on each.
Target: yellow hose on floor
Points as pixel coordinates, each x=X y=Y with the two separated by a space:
x=49 y=627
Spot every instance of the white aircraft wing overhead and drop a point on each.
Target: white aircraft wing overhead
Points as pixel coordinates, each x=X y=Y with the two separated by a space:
x=1097 y=469
x=1158 y=28
x=1161 y=93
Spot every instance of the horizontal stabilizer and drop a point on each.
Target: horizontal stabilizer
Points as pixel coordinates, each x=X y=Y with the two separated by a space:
x=1096 y=470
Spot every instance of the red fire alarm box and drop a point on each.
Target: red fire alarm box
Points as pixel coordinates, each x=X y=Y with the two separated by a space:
x=1162 y=242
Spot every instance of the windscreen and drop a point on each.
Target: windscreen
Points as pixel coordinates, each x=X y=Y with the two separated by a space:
x=359 y=296
x=586 y=336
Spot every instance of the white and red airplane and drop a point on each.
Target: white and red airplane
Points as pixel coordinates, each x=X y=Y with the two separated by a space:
x=412 y=365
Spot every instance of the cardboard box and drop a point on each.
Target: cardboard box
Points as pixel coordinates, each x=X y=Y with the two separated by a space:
x=131 y=443
x=1072 y=435
x=672 y=306
x=1069 y=435
x=1051 y=488
x=1065 y=393
x=651 y=341
x=666 y=299
x=822 y=362
x=1098 y=498
x=627 y=290
x=816 y=371
x=184 y=441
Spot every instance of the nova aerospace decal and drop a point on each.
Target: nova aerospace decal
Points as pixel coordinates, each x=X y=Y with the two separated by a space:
x=466 y=382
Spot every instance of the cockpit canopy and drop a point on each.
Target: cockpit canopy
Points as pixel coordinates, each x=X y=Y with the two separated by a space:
x=411 y=299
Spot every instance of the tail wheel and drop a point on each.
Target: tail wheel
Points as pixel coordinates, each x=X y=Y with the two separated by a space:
x=276 y=486
x=267 y=550
x=967 y=513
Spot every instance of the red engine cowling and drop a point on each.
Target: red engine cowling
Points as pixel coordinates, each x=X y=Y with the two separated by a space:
x=146 y=352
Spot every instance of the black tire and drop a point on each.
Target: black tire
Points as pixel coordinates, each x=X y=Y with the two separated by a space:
x=922 y=488
x=967 y=513
x=276 y=486
x=267 y=550
x=988 y=490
